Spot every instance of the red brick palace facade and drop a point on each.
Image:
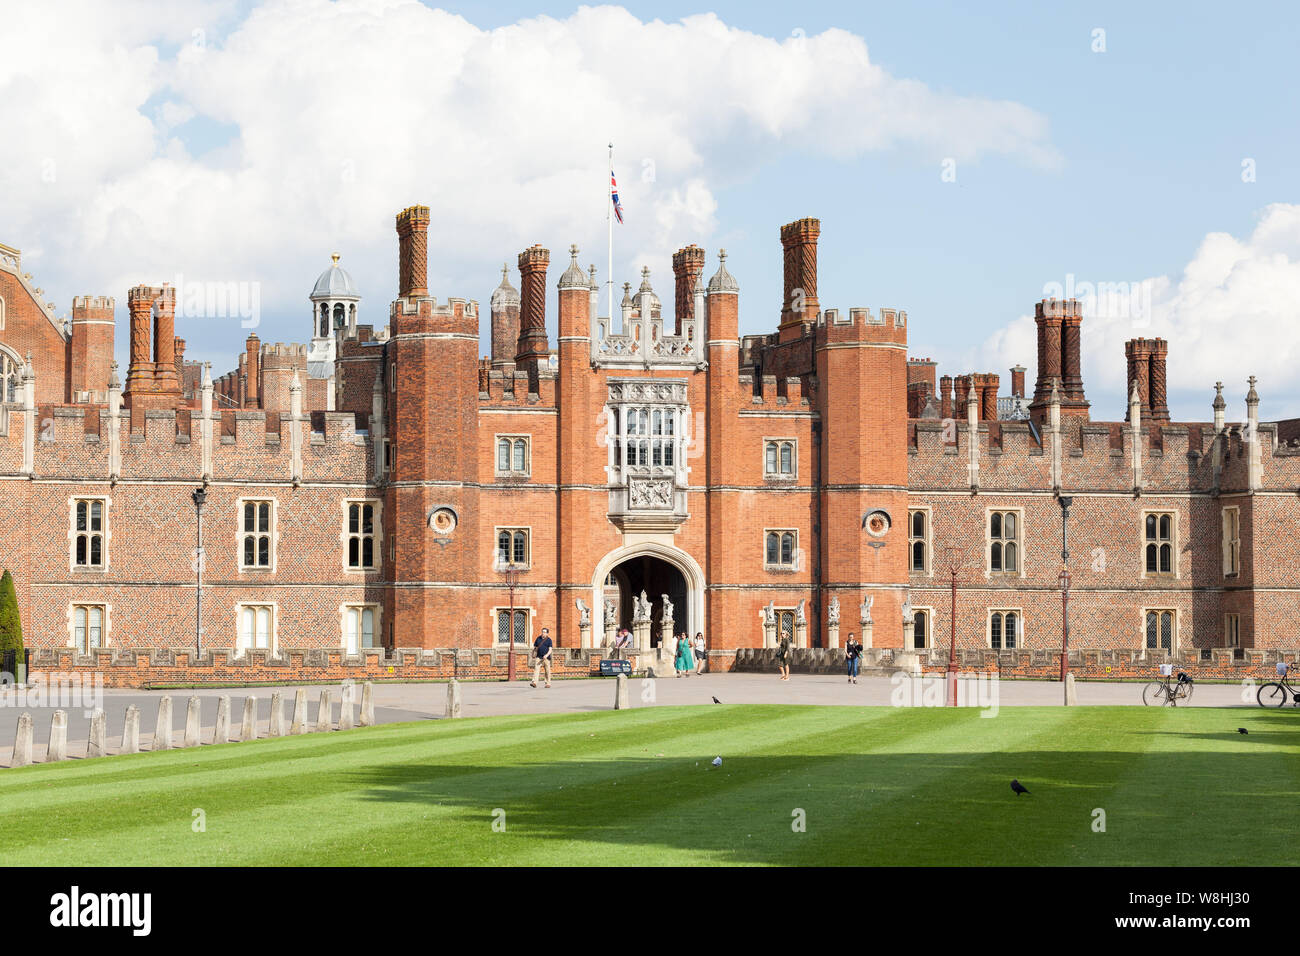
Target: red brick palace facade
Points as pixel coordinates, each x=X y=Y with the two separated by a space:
x=388 y=488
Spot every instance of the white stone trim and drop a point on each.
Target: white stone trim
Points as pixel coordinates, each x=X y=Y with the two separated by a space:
x=239 y=534
x=695 y=584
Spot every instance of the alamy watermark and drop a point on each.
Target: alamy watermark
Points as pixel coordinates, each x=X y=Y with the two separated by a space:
x=57 y=689
x=931 y=690
x=1129 y=301
x=219 y=300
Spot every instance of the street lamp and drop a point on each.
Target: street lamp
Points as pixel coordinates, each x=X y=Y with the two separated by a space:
x=200 y=496
x=952 y=559
x=1065 y=598
x=511 y=571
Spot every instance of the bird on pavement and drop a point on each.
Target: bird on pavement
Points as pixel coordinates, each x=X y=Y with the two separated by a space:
x=716 y=701
x=1242 y=730
x=1018 y=788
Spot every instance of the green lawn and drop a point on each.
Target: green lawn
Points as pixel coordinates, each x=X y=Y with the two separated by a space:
x=878 y=786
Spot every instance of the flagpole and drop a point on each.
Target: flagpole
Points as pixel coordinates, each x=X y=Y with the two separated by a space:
x=609 y=220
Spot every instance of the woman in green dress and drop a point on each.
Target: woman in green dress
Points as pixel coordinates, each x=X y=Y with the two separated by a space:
x=685 y=661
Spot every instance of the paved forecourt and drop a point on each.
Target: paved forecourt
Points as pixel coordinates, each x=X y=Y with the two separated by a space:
x=396 y=703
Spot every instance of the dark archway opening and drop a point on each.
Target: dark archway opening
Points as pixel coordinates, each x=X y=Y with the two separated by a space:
x=656 y=577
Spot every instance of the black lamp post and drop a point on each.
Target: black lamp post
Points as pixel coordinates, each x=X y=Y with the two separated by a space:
x=953 y=560
x=511 y=571
x=1065 y=599
x=200 y=496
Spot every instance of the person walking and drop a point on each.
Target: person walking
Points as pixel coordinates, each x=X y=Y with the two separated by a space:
x=701 y=656
x=685 y=662
x=783 y=656
x=853 y=657
x=542 y=650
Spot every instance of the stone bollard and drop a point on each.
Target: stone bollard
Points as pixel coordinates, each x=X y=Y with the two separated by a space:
x=325 y=713
x=453 y=698
x=97 y=746
x=249 y=730
x=131 y=731
x=367 y=705
x=299 y=725
x=58 y=737
x=193 y=722
x=345 y=709
x=620 y=692
x=23 y=742
x=221 y=732
x=276 y=726
x=162 y=734
x=1071 y=698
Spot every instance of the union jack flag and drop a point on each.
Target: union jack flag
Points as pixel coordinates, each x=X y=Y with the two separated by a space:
x=613 y=195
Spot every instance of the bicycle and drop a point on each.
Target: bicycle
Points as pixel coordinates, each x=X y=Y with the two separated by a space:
x=1166 y=692
x=1273 y=694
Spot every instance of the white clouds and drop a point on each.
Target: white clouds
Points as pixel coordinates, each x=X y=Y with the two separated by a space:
x=1233 y=313
x=346 y=112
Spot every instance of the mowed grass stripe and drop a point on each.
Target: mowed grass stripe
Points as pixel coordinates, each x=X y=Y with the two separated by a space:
x=1203 y=794
x=832 y=785
x=424 y=793
x=230 y=783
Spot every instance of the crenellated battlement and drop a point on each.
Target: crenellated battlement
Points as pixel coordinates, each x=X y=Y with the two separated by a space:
x=512 y=388
x=1058 y=309
x=74 y=442
x=84 y=305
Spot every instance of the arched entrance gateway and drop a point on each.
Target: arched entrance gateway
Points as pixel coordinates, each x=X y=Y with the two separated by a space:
x=657 y=570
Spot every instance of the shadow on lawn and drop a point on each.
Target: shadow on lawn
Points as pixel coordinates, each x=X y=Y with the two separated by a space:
x=874 y=809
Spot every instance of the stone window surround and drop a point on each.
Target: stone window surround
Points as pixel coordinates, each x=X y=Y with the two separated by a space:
x=928 y=570
x=1019 y=612
x=240 y=534
x=512 y=472
x=495 y=612
x=1174 y=543
x=377 y=534
x=1231 y=546
x=778 y=475
x=105 y=627
x=527 y=564
x=1019 y=539
x=927 y=612
x=663 y=393
x=1142 y=634
x=796 y=564
x=1231 y=629
x=105 y=532
x=240 y=607
x=379 y=623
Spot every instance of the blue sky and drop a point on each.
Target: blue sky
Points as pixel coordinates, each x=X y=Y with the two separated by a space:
x=1129 y=165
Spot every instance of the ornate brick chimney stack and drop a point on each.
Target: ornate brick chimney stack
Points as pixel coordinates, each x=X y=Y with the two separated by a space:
x=252 y=368
x=799 y=241
x=532 y=347
x=1017 y=381
x=139 y=371
x=963 y=383
x=505 y=322
x=413 y=251
x=164 y=340
x=1159 y=398
x=989 y=396
x=945 y=396
x=688 y=266
x=1139 y=369
x=1146 y=371
x=1059 y=332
